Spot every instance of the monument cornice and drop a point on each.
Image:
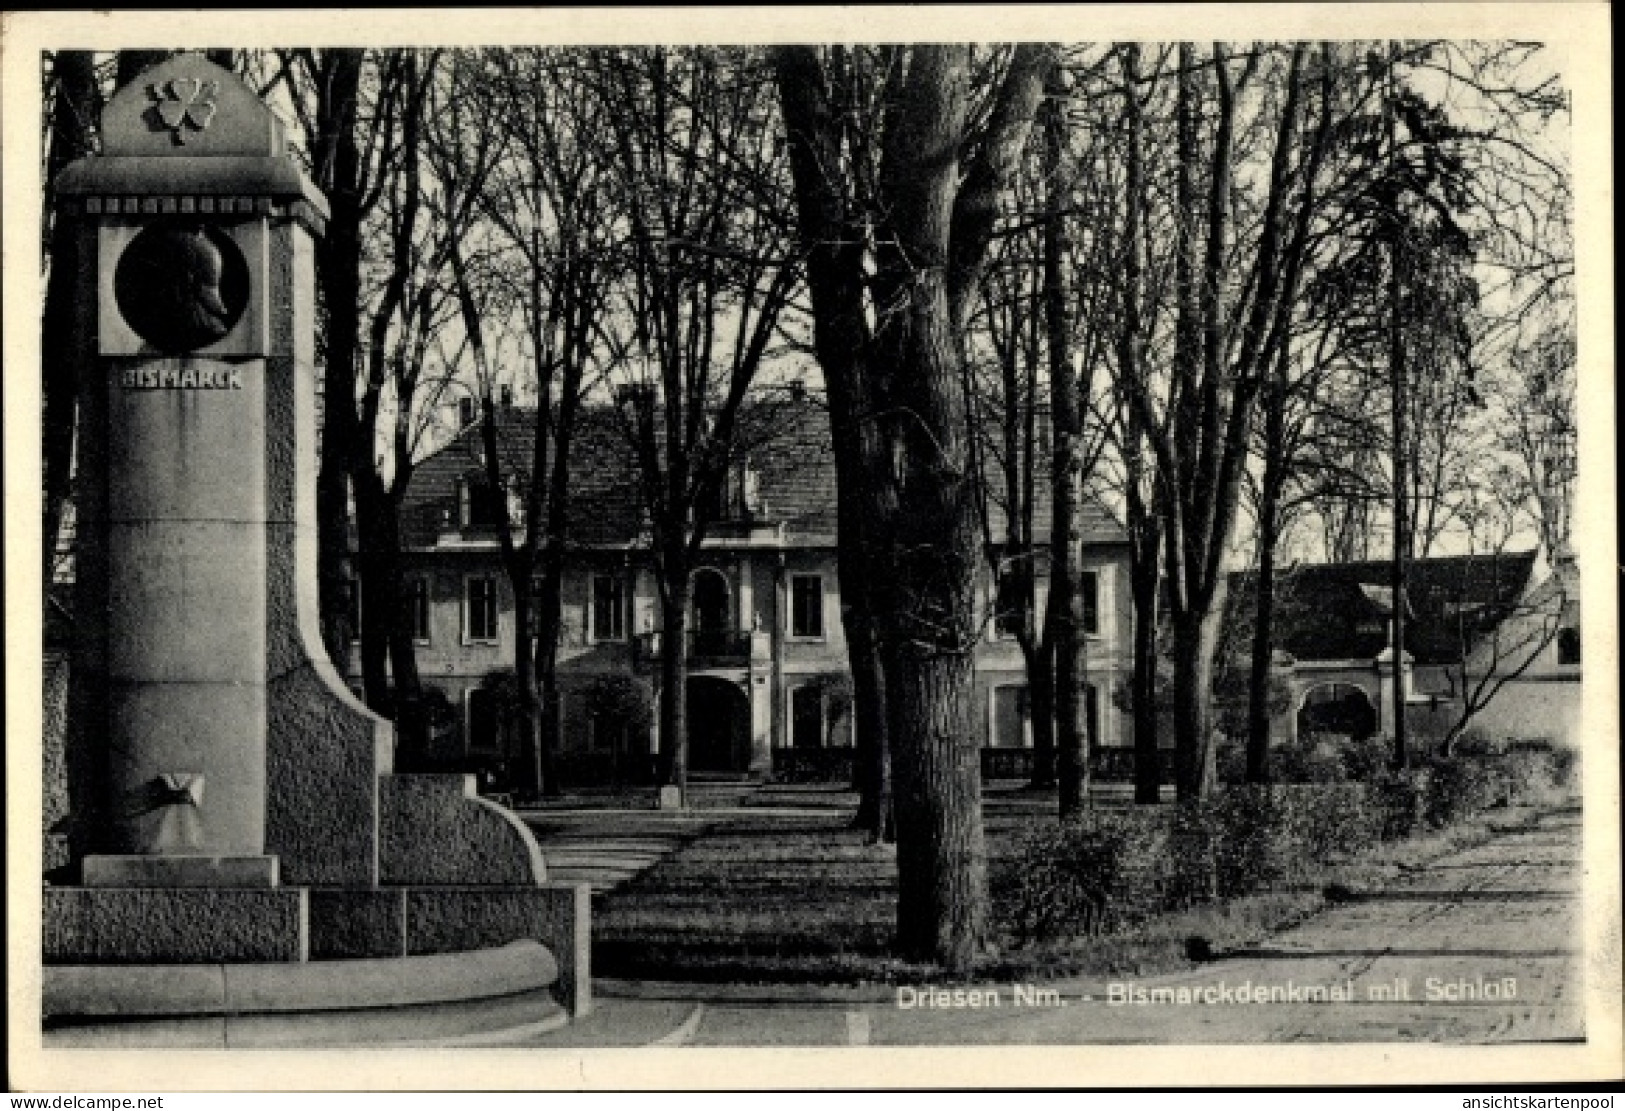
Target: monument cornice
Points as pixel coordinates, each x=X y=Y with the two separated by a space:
x=149 y=185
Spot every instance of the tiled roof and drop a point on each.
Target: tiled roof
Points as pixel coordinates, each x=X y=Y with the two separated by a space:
x=795 y=465
x=1340 y=611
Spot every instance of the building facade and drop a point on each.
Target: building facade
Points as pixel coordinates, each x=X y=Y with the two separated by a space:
x=768 y=681
x=1498 y=633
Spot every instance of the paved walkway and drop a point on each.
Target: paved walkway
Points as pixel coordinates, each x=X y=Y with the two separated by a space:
x=1479 y=946
x=606 y=848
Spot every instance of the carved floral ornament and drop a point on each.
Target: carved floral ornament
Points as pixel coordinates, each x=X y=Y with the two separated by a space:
x=184 y=102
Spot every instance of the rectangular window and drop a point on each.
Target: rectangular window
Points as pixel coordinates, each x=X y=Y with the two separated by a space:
x=1011 y=727
x=806 y=606
x=807 y=717
x=1089 y=586
x=1568 y=646
x=480 y=609
x=482 y=503
x=417 y=602
x=608 y=608
x=1007 y=608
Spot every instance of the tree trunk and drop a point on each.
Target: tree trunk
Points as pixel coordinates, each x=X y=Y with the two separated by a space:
x=674 y=682
x=338 y=270
x=873 y=757
x=941 y=858
x=1196 y=640
x=1259 y=682
x=1401 y=538
x=529 y=782
x=936 y=217
x=1041 y=714
x=1064 y=626
x=380 y=598
x=72 y=111
x=548 y=607
x=1147 y=756
x=1144 y=525
x=931 y=631
x=411 y=726
x=1269 y=530
x=388 y=656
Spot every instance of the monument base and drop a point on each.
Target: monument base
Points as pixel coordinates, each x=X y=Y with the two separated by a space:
x=174 y=925
x=421 y=921
x=488 y=997
x=180 y=871
x=124 y=927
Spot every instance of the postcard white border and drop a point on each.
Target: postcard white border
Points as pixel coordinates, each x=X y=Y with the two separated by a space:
x=1582 y=29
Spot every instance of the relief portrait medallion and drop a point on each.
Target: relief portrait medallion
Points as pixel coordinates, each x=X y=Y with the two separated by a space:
x=181 y=285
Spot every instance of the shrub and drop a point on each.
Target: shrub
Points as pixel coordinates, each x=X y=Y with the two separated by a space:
x=1230 y=760
x=1399 y=800
x=1330 y=821
x=1111 y=868
x=1315 y=758
x=1269 y=836
x=1058 y=880
x=625 y=699
x=1539 y=769
x=1566 y=767
x=1461 y=786
x=1366 y=758
x=1098 y=871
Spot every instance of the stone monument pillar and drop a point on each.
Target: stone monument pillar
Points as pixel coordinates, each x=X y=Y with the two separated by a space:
x=192 y=198
x=235 y=801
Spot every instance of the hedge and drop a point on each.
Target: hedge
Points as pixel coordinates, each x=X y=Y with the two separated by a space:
x=1111 y=867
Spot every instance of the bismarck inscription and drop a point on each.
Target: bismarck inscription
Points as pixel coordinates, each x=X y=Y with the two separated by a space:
x=181 y=285
x=181 y=378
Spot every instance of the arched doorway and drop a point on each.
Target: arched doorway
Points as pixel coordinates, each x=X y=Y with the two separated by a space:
x=1340 y=709
x=718 y=725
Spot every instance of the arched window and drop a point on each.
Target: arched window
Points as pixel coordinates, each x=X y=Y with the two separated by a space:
x=710 y=601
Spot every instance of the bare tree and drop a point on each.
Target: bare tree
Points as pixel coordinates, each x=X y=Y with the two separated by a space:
x=74 y=101
x=1029 y=436
x=930 y=210
x=696 y=177
x=385 y=301
x=1499 y=624
x=1535 y=413
x=1234 y=289
x=352 y=151
x=829 y=105
x=549 y=209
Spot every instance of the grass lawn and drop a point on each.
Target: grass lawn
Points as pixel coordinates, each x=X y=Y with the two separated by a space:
x=800 y=898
